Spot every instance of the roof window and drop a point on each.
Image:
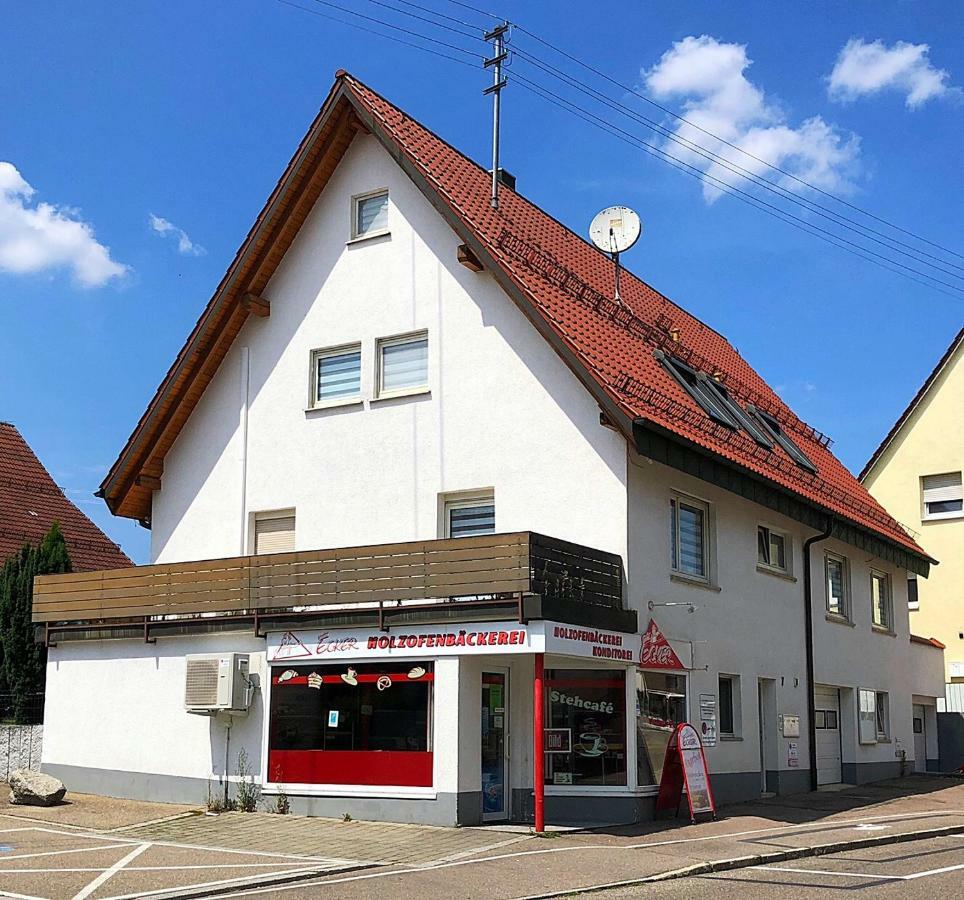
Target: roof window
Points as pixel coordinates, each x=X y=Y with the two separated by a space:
x=714 y=399
x=783 y=439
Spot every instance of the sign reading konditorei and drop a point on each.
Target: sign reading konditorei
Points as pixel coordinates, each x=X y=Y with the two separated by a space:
x=453 y=640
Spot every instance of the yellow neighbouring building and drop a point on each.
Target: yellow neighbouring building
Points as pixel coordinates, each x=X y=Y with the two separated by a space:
x=916 y=474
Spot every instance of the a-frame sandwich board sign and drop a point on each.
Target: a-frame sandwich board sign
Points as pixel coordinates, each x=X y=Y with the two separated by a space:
x=685 y=765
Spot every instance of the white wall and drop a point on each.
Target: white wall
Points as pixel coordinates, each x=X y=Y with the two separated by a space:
x=504 y=412
x=751 y=622
x=119 y=705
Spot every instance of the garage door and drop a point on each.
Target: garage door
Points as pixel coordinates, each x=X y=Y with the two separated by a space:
x=827 y=720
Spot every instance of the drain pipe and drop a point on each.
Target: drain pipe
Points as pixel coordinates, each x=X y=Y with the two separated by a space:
x=808 y=631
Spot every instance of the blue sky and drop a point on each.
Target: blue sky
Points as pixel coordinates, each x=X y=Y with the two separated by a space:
x=189 y=111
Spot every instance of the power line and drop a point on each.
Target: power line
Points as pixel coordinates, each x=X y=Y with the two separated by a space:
x=830 y=237
x=769 y=209
x=894 y=245
x=766 y=184
x=388 y=37
x=709 y=133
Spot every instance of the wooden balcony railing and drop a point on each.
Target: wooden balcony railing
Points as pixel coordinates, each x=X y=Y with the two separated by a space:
x=520 y=563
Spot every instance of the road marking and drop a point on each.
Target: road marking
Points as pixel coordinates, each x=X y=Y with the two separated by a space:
x=864 y=826
x=828 y=872
x=239 y=882
x=60 y=852
x=914 y=875
x=111 y=872
x=587 y=847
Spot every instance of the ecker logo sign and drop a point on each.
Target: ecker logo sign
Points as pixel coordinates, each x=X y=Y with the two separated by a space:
x=655 y=651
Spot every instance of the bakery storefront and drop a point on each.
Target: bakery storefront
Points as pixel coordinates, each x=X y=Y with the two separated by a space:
x=444 y=724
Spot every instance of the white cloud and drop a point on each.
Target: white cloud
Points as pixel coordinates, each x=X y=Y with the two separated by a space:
x=164 y=228
x=863 y=68
x=709 y=77
x=39 y=237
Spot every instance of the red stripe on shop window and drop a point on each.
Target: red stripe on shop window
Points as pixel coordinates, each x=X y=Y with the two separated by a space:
x=374 y=767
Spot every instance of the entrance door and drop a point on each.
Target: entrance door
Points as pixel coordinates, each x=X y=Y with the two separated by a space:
x=920 y=740
x=495 y=745
x=827 y=721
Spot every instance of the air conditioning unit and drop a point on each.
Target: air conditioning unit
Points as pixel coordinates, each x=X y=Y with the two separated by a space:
x=217 y=682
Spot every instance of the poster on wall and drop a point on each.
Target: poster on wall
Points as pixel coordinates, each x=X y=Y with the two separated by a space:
x=685 y=767
x=708 y=719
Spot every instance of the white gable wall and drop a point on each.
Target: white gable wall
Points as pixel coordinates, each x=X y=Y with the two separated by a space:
x=504 y=412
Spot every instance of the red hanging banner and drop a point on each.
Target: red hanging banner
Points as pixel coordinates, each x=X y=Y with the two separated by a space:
x=655 y=651
x=685 y=765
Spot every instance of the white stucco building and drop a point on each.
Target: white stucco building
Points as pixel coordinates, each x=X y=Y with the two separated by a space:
x=395 y=394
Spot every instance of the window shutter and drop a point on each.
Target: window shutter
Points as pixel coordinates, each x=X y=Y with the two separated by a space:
x=405 y=364
x=943 y=493
x=465 y=521
x=276 y=535
x=372 y=214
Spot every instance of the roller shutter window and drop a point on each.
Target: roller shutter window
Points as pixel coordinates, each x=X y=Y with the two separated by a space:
x=943 y=496
x=274 y=534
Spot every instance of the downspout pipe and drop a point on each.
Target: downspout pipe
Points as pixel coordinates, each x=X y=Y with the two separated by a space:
x=808 y=632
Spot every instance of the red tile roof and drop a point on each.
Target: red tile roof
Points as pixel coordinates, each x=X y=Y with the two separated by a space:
x=562 y=283
x=30 y=502
x=570 y=283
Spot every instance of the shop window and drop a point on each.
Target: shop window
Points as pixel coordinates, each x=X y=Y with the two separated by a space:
x=352 y=724
x=588 y=708
x=661 y=706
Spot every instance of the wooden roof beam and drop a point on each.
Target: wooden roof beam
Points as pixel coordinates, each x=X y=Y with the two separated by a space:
x=256 y=305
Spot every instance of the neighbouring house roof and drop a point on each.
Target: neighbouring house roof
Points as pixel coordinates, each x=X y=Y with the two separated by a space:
x=562 y=284
x=918 y=397
x=927 y=642
x=30 y=502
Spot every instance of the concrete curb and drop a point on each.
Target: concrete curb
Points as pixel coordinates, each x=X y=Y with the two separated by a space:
x=763 y=859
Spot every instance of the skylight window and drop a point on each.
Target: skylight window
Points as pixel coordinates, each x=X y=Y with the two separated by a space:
x=783 y=439
x=714 y=399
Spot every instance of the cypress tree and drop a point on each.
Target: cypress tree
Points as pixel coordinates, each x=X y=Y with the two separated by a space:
x=24 y=660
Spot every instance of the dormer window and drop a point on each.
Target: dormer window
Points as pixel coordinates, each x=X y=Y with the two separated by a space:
x=370 y=214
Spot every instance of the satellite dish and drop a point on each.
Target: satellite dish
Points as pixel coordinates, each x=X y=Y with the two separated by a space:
x=614 y=230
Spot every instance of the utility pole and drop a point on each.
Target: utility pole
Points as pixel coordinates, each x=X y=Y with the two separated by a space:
x=497 y=37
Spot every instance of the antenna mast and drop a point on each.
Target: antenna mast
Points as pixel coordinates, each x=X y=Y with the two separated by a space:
x=496 y=37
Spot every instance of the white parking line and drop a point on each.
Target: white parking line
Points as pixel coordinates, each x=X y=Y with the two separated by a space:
x=110 y=873
x=914 y=875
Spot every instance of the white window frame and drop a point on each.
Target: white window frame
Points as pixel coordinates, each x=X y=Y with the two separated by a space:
x=889 y=606
x=913 y=604
x=263 y=515
x=786 y=569
x=676 y=498
x=866 y=716
x=845 y=612
x=736 y=704
x=324 y=353
x=461 y=500
x=356 y=202
x=882 y=714
x=394 y=340
x=952 y=492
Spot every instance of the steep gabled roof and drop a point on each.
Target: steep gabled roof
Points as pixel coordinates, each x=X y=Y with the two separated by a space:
x=563 y=285
x=30 y=502
x=956 y=344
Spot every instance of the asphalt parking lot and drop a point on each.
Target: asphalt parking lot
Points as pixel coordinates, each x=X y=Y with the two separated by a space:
x=49 y=863
x=926 y=868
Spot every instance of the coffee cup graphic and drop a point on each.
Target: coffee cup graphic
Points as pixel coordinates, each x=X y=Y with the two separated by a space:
x=591 y=744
